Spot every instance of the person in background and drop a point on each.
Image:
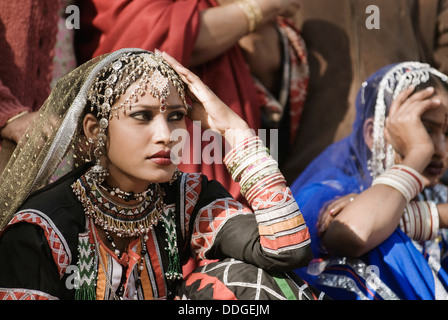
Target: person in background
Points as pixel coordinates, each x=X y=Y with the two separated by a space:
x=373 y=201
x=36 y=50
x=347 y=41
x=246 y=51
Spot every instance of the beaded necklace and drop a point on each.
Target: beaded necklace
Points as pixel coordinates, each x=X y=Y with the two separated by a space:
x=123 y=220
x=94 y=201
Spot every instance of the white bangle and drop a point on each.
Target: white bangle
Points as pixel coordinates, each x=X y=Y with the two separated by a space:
x=394 y=183
x=434 y=219
x=420 y=220
x=402 y=178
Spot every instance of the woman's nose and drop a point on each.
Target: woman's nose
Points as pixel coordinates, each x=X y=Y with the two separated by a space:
x=161 y=130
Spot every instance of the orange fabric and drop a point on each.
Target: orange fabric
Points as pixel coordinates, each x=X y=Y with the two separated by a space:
x=285 y=241
x=281 y=226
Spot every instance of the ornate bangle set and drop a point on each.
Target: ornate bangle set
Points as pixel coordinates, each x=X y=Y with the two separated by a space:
x=402 y=178
x=250 y=164
x=420 y=220
x=252 y=11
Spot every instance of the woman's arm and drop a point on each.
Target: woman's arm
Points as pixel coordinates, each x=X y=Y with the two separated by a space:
x=223 y=26
x=14 y=117
x=443 y=215
x=272 y=236
x=192 y=31
x=276 y=236
x=375 y=213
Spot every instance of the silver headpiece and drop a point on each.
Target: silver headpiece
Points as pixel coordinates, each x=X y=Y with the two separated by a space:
x=394 y=81
x=153 y=74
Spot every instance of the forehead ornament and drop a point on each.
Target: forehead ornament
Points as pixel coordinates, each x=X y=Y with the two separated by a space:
x=150 y=70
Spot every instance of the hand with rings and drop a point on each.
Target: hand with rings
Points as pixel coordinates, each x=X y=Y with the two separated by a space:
x=332 y=210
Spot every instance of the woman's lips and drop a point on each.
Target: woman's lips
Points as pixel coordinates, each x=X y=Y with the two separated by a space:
x=435 y=168
x=162 y=158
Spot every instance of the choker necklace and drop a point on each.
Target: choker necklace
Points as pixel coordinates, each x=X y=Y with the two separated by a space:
x=126 y=196
x=123 y=220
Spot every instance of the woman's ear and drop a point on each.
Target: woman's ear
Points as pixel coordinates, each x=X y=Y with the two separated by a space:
x=368 y=132
x=91 y=126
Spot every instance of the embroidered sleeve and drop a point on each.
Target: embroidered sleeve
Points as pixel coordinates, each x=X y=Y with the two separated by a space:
x=210 y=221
x=34 y=259
x=273 y=235
x=280 y=223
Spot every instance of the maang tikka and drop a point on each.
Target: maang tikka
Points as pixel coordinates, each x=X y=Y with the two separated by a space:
x=153 y=74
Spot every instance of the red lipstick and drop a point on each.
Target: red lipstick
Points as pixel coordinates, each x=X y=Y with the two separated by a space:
x=162 y=157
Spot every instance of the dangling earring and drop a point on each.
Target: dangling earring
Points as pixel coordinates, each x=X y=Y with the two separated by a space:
x=98 y=172
x=176 y=174
x=90 y=145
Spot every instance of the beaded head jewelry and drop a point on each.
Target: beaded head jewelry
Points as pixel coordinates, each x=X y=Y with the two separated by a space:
x=394 y=81
x=56 y=135
x=152 y=73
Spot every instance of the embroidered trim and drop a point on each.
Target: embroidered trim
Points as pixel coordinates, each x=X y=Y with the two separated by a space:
x=88 y=268
x=210 y=220
x=372 y=285
x=24 y=294
x=174 y=270
x=57 y=243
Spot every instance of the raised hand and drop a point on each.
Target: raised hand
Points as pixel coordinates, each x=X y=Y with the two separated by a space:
x=404 y=128
x=208 y=108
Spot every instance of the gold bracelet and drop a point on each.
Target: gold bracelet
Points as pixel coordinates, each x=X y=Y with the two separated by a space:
x=17 y=116
x=252 y=11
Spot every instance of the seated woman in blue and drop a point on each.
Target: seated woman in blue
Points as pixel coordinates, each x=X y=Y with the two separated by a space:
x=373 y=201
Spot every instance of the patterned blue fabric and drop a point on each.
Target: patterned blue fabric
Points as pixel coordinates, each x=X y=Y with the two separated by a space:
x=396 y=269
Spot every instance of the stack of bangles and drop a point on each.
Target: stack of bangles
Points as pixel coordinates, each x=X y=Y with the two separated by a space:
x=402 y=178
x=420 y=220
x=253 y=167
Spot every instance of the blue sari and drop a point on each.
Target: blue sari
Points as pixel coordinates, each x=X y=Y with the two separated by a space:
x=399 y=268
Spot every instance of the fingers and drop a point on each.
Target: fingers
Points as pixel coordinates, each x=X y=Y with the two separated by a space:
x=420 y=101
x=332 y=210
x=199 y=90
x=183 y=72
x=337 y=206
x=400 y=100
x=404 y=129
x=423 y=100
